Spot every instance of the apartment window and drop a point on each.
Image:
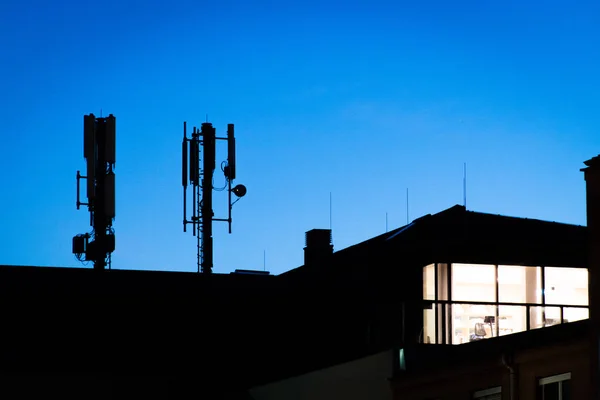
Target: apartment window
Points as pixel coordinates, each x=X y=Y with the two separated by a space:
x=557 y=387
x=476 y=301
x=488 y=394
x=429 y=282
x=566 y=286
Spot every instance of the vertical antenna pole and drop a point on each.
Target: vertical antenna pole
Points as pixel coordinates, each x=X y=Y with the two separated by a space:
x=330 y=210
x=230 y=169
x=465 y=186
x=198 y=228
x=406 y=206
x=100 y=221
x=208 y=145
x=194 y=175
x=78 y=178
x=264 y=260
x=229 y=200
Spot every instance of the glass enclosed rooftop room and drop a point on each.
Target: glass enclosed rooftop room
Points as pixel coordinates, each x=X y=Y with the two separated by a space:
x=468 y=302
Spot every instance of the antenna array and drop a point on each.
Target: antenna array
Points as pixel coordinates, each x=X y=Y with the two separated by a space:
x=99 y=151
x=201 y=178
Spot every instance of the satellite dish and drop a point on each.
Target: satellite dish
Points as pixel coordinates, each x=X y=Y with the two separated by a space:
x=239 y=190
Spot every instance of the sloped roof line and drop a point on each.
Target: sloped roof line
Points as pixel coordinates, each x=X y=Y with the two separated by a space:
x=510 y=217
x=404 y=228
x=454 y=211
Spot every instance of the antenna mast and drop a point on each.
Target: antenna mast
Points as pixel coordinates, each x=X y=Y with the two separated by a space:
x=406 y=206
x=99 y=150
x=465 y=186
x=201 y=180
x=330 y=210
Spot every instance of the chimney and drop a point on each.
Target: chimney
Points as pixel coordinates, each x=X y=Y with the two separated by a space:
x=592 y=188
x=318 y=248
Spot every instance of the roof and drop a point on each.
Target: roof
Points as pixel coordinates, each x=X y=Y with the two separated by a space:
x=155 y=319
x=142 y=322
x=592 y=162
x=460 y=235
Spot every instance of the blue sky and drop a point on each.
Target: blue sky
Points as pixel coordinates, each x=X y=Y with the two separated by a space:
x=360 y=99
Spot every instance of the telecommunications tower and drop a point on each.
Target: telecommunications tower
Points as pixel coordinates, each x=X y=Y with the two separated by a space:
x=203 y=141
x=99 y=140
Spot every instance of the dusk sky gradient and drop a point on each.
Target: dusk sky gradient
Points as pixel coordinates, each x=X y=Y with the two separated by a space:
x=360 y=99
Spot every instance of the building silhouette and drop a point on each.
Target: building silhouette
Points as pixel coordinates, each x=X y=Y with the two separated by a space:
x=415 y=313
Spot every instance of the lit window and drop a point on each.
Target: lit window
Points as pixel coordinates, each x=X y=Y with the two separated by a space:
x=473 y=282
x=557 y=387
x=566 y=286
x=489 y=394
x=429 y=282
x=519 y=284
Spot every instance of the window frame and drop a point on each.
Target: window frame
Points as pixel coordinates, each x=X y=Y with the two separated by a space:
x=548 y=380
x=482 y=394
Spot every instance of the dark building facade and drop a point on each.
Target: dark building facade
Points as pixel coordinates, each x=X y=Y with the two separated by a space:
x=551 y=363
x=507 y=309
x=450 y=280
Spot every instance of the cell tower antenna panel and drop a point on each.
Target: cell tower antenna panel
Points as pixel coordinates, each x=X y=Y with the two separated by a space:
x=110 y=139
x=184 y=173
x=184 y=158
x=99 y=151
x=230 y=152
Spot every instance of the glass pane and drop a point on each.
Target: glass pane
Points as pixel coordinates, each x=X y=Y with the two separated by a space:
x=442 y=281
x=566 y=389
x=552 y=316
x=550 y=391
x=518 y=284
x=473 y=282
x=544 y=316
x=575 y=314
x=536 y=317
x=443 y=318
x=566 y=286
x=429 y=326
x=429 y=282
x=512 y=319
x=473 y=322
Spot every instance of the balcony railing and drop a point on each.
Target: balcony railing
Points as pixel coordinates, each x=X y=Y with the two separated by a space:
x=456 y=322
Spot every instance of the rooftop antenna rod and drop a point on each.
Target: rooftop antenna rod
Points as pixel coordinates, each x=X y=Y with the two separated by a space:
x=264 y=260
x=406 y=206
x=386 y=222
x=465 y=186
x=330 y=210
